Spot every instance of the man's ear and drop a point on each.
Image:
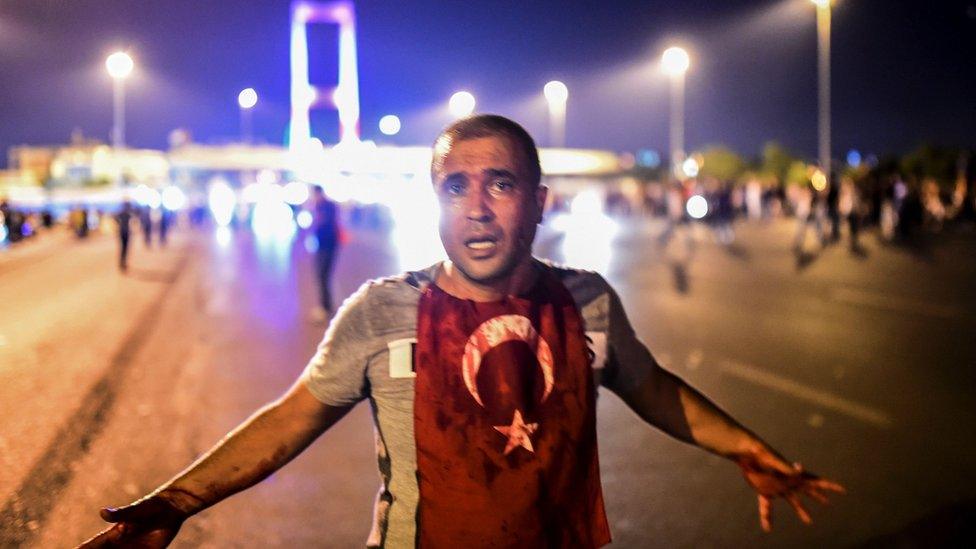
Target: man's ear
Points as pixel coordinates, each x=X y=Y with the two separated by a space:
x=540 y=200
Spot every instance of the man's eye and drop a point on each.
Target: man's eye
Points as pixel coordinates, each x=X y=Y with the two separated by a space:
x=502 y=185
x=454 y=189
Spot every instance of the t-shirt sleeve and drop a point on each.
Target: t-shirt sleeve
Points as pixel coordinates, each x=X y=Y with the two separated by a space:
x=629 y=362
x=336 y=374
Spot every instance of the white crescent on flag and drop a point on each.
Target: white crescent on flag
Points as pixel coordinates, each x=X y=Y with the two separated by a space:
x=494 y=332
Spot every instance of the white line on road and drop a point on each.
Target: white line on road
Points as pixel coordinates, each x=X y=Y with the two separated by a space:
x=797 y=390
x=893 y=303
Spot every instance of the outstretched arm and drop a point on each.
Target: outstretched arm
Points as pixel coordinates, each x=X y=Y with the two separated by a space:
x=669 y=403
x=258 y=447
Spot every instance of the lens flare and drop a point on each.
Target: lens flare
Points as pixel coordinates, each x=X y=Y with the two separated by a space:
x=697 y=206
x=222 y=202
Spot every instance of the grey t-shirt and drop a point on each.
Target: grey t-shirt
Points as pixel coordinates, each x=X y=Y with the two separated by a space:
x=367 y=352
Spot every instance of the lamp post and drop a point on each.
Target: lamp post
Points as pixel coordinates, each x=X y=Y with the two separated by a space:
x=675 y=62
x=246 y=101
x=461 y=104
x=119 y=66
x=823 y=79
x=556 y=95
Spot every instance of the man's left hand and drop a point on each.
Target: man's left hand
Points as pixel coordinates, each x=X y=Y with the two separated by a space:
x=772 y=477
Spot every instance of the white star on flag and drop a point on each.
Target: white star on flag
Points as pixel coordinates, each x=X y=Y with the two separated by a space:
x=518 y=433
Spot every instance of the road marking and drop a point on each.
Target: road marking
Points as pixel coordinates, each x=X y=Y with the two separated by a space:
x=795 y=389
x=893 y=303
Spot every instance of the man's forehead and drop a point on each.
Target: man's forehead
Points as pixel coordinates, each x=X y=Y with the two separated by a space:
x=479 y=154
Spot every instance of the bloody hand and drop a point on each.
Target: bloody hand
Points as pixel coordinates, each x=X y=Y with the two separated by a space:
x=772 y=477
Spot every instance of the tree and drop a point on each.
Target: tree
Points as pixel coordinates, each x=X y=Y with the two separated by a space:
x=776 y=161
x=722 y=163
x=930 y=161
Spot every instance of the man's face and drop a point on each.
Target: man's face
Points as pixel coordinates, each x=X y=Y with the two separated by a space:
x=489 y=207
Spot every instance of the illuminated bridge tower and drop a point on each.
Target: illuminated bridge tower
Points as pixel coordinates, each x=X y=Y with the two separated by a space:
x=344 y=98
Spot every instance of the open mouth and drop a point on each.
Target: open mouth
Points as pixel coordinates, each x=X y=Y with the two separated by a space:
x=481 y=243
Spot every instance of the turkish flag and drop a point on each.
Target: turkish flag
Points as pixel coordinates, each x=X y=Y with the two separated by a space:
x=505 y=423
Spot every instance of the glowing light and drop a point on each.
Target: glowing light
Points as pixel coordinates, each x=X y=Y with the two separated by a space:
x=819 y=180
x=119 y=65
x=267 y=177
x=697 y=206
x=173 y=198
x=247 y=98
x=146 y=196
x=587 y=232
x=822 y=4
x=272 y=220
x=252 y=192
x=564 y=162
x=556 y=92
x=295 y=193
x=587 y=203
x=222 y=201
x=854 y=158
x=690 y=167
x=461 y=104
x=675 y=61
x=311 y=243
x=390 y=124
x=415 y=214
x=649 y=158
x=222 y=235
x=304 y=219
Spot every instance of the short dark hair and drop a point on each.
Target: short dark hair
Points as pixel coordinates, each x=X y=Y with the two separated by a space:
x=488 y=125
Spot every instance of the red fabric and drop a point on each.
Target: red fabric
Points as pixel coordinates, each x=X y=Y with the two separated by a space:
x=481 y=483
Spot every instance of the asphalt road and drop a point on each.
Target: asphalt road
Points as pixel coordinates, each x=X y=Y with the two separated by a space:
x=859 y=366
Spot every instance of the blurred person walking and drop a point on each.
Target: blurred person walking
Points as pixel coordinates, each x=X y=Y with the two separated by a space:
x=724 y=214
x=165 y=220
x=146 y=223
x=850 y=208
x=326 y=227
x=8 y=216
x=123 y=218
x=810 y=209
x=833 y=211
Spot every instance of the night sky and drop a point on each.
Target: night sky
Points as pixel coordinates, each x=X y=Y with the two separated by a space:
x=904 y=71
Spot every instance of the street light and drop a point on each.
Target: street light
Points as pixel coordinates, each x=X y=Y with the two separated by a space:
x=246 y=101
x=675 y=62
x=823 y=96
x=461 y=104
x=390 y=124
x=119 y=66
x=556 y=95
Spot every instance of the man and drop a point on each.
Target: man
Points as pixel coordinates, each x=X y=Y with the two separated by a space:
x=481 y=373
x=325 y=224
x=123 y=218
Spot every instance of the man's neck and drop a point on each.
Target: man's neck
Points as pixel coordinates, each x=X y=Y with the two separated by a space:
x=450 y=279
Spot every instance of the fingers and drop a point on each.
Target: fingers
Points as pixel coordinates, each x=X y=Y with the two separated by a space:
x=824 y=484
x=108 y=537
x=801 y=511
x=816 y=494
x=765 y=513
x=153 y=508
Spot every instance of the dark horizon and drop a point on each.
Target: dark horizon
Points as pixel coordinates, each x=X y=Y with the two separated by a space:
x=902 y=71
